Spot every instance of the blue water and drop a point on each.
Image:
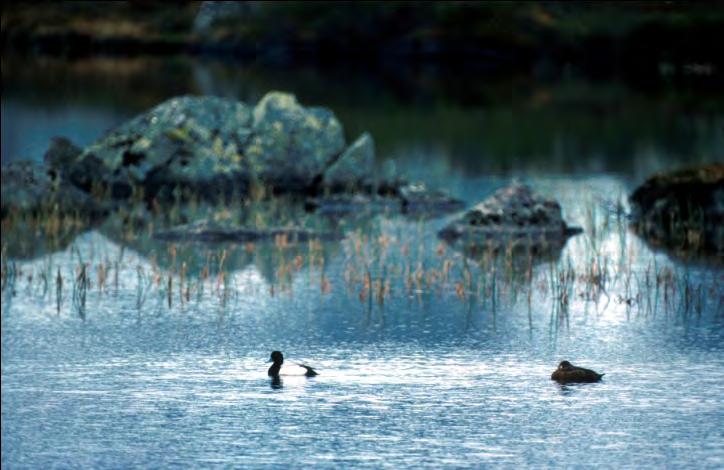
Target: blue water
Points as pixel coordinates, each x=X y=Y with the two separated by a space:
x=447 y=368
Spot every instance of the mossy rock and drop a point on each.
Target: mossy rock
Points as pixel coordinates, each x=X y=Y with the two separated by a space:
x=214 y=146
x=682 y=211
x=514 y=220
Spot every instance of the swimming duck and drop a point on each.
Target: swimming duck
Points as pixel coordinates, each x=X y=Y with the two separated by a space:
x=568 y=373
x=278 y=359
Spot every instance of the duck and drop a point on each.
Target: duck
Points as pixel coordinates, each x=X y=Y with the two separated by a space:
x=568 y=373
x=278 y=359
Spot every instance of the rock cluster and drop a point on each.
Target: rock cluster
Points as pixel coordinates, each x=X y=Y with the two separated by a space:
x=218 y=147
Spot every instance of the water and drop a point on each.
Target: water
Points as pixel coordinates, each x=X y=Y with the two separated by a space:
x=445 y=368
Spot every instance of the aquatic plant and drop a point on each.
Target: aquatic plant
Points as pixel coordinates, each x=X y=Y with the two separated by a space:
x=380 y=260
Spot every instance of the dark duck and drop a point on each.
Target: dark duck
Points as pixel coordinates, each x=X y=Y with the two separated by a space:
x=568 y=373
x=276 y=368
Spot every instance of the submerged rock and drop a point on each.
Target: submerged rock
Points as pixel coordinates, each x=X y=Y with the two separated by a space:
x=682 y=211
x=419 y=200
x=513 y=217
x=414 y=200
x=31 y=187
x=215 y=146
x=212 y=232
x=346 y=203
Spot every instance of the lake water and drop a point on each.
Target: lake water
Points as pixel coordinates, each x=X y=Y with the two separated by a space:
x=427 y=358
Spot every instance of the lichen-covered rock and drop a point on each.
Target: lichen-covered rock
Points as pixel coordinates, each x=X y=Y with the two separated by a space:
x=31 y=188
x=512 y=215
x=186 y=140
x=61 y=154
x=215 y=146
x=291 y=146
x=682 y=210
x=354 y=168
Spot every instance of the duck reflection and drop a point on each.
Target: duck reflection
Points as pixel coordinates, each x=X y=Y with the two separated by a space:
x=276 y=382
x=566 y=390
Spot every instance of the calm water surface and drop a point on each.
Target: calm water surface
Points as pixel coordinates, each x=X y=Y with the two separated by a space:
x=441 y=370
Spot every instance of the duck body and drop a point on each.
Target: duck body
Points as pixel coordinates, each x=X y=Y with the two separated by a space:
x=568 y=373
x=275 y=370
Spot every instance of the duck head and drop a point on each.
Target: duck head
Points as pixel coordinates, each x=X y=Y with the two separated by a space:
x=565 y=365
x=278 y=359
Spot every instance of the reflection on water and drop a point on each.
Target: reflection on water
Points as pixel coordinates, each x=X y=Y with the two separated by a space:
x=474 y=124
x=410 y=371
x=427 y=358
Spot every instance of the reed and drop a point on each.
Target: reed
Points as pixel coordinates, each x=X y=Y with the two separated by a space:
x=81 y=284
x=58 y=292
x=380 y=261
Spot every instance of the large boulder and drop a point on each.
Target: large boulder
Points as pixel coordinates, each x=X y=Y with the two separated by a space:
x=513 y=217
x=291 y=146
x=31 y=188
x=188 y=140
x=682 y=211
x=214 y=146
x=354 y=168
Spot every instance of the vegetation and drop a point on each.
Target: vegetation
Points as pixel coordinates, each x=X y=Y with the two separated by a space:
x=598 y=35
x=490 y=122
x=381 y=261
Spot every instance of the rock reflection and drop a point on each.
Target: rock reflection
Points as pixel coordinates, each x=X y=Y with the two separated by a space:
x=277 y=258
x=27 y=240
x=517 y=255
